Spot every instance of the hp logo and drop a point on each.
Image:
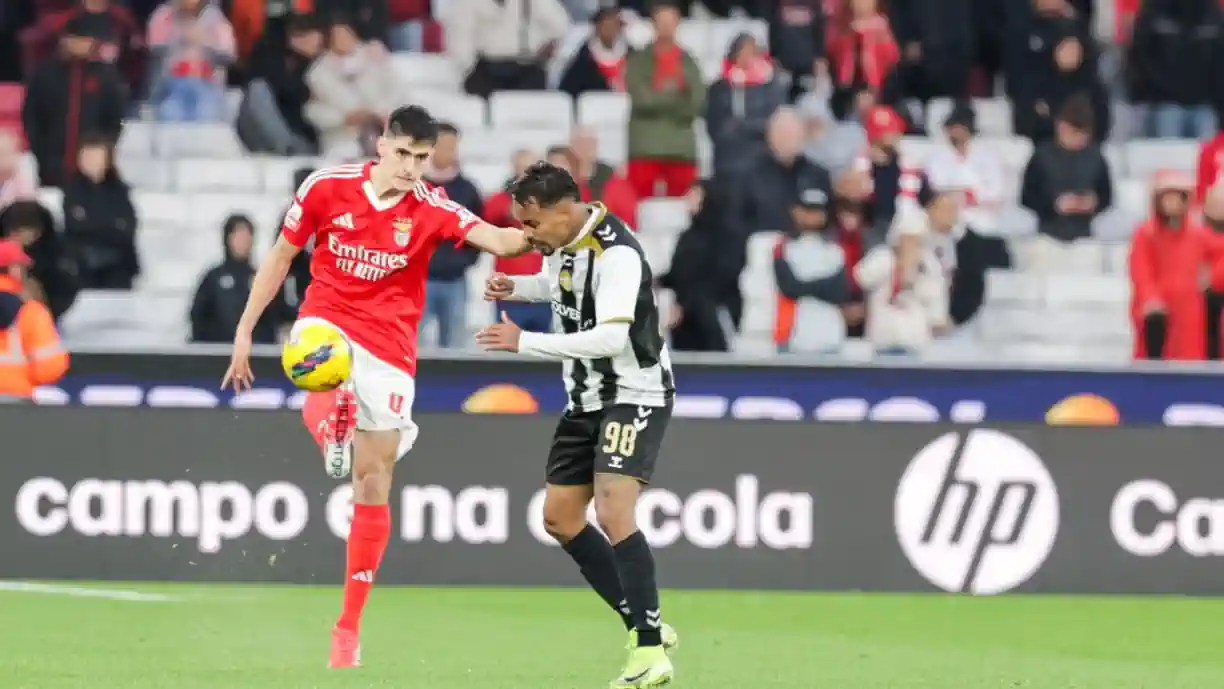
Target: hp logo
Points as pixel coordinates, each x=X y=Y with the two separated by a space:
x=976 y=512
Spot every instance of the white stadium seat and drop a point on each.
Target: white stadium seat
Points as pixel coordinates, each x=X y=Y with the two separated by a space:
x=204 y=175
x=602 y=109
x=551 y=111
x=147 y=173
x=489 y=178
x=662 y=216
x=424 y=71
x=1144 y=158
x=465 y=112
x=197 y=140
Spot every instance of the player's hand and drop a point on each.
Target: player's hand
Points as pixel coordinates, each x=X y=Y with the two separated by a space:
x=239 y=375
x=498 y=287
x=500 y=337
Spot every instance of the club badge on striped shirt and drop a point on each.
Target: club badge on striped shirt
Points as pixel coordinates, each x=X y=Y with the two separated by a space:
x=403 y=231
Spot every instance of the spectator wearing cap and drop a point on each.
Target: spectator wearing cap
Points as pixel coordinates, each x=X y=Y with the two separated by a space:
x=739 y=104
x=599 y=64
x=53 y=276
x=963 y=254
x=971 y=172
x=1175 y=50
x=811 y=273
x=16 y=182
x=272 y=117
x=797 y=34
x=352 y=91
x=767 y=195
x=893 y=182
x=34 y=355
x=831 y=144
x=666 y=94
x=191 y=44
x=907 y=293
x=1171 y=256
x=68 y=97
x=1061 y=63
x=1067 y=184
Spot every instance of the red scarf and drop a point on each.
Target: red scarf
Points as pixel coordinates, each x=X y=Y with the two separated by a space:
x=610 y=63
x=868 y=45
x=758 y=73
x=668 y=67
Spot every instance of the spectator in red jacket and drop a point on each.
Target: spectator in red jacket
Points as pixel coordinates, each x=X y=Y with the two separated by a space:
x=1169 y=255
x=118 y=38
x=863 y=56
x=499 y=210
x=1211 y=156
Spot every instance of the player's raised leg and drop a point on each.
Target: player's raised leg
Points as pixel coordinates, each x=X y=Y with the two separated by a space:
x=624 y=462
x=331 y=418
x=374 y=454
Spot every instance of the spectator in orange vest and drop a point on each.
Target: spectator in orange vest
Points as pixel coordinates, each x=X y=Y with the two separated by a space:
x=31 y=353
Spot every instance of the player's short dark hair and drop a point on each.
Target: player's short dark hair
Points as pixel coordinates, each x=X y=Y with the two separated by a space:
x=447 y=128
x=546 y=184
x=413 y=121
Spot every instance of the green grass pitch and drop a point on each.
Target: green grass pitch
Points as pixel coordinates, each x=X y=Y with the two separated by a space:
x=271 y=637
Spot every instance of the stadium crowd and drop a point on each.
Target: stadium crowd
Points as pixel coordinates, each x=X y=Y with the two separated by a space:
x=813 y=176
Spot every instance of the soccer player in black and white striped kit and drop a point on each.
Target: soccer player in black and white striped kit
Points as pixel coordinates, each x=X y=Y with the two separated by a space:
x=618 y=376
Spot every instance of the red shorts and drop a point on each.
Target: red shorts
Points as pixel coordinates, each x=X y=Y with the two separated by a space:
x=645 y=176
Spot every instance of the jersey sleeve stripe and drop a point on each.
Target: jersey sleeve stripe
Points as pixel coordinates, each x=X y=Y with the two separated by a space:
x=349 y=171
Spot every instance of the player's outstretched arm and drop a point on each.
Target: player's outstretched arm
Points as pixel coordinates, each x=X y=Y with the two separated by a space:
x=269 y=279
x=499 y=241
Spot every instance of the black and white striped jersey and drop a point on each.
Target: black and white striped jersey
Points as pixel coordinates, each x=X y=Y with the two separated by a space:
x=603 y=277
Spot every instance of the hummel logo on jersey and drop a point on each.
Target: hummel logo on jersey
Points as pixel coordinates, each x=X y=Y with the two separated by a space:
x=365 y=575
x=345 y=221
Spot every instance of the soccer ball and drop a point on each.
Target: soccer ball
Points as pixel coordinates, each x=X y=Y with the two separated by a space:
x=317 y=358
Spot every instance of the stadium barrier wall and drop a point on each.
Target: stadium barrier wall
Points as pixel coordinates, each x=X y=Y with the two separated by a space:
x=788 y=389
x=214 y=495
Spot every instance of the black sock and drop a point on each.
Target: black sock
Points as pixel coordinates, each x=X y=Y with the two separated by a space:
x=637 y=575
x=597 y=562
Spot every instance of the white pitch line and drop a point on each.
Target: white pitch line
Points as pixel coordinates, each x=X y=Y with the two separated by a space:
x=83 y=592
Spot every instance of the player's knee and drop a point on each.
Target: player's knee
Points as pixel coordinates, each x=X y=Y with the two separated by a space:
x=616 y=516
x=562 y=521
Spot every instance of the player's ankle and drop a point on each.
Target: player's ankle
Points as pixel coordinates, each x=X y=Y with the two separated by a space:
x=650 y=637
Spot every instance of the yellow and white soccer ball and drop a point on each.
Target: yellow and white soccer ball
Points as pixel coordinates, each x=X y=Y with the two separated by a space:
x=317 y=358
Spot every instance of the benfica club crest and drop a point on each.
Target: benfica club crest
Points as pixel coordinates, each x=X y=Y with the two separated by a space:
x=403 y=230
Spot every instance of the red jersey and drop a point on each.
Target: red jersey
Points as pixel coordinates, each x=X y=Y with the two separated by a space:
x=371 y=256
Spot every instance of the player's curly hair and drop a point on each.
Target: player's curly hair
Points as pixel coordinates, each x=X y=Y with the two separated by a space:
x=545 y=184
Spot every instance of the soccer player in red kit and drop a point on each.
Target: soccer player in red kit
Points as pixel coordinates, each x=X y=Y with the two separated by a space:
x=375 y=226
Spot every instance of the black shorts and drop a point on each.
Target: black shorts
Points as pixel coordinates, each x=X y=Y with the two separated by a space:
x=622 y=439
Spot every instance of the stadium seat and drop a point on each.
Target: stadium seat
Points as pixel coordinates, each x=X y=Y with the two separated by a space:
x=197 y=140
x=603 y=109
x=1117 y=258
x=658 y=249
x=465 y=112
x=148 y=173
x=915 y=150
x=136 y=140
x=613 y=145
x=994 y=116
x=1145 y=157
x=277 y=174
x=159 y=208
x=425 y=71
x=695 y=37
x=489 y=178
x=1012 y=287
x=201 y=175
x=550 y=111
x=1133 y=196
x=662 y=216
x=1013 y=151
x=1083 y=290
